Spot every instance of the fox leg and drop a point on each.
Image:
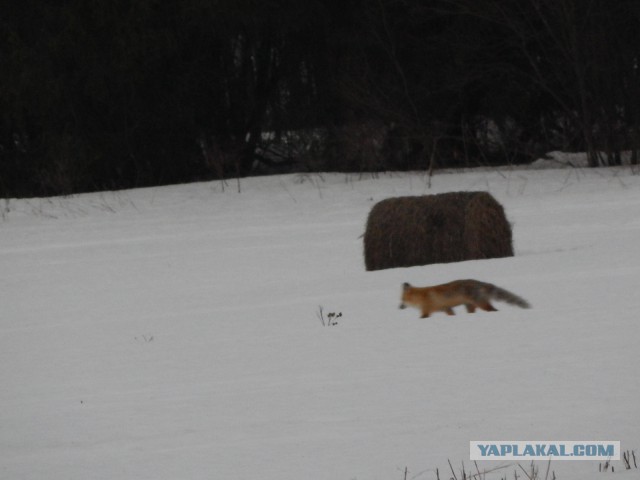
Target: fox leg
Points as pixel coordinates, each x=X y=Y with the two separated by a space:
x=487 y=307
x=425 y=314
x=449 y=311
x=470 y=307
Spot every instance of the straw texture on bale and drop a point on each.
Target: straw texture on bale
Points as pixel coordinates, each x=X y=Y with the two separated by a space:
x=448 y=227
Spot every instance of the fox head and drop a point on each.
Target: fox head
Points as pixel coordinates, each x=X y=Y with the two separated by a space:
x=405 y=295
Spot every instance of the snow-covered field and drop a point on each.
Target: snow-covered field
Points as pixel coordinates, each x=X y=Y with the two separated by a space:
x=173 y=333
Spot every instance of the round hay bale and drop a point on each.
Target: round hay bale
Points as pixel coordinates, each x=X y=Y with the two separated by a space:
x=449 y=227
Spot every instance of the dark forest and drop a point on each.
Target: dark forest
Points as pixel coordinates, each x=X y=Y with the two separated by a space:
x=112 y=94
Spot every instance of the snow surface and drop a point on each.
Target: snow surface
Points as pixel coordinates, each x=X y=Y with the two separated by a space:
x=557 y=159
x=173 y=333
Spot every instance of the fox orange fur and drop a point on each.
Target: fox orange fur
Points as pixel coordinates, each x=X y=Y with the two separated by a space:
x=470 y=293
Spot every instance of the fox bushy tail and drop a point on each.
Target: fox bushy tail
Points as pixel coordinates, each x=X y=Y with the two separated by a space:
x=505 y=296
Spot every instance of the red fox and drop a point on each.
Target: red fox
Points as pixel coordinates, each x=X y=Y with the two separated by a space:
x=470 y=293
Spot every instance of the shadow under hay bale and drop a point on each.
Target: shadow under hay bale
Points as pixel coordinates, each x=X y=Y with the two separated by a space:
x=449 y=227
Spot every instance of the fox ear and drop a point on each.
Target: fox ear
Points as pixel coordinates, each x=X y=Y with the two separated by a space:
x=405 y=285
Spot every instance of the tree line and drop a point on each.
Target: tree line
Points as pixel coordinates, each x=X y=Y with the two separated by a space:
x=113 y=94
